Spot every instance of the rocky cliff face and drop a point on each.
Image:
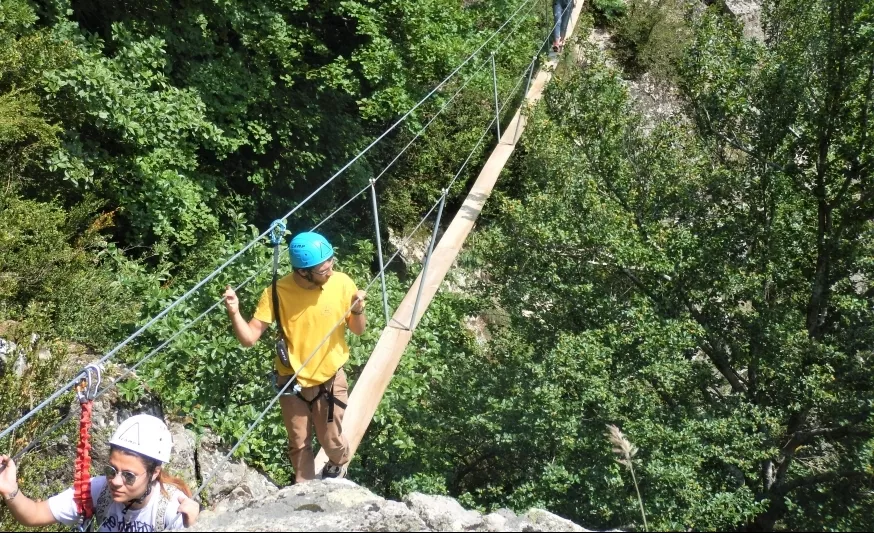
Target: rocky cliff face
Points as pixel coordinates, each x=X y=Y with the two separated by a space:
x=341 y=505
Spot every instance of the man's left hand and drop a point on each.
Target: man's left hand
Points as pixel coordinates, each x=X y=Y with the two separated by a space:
x=358 y=302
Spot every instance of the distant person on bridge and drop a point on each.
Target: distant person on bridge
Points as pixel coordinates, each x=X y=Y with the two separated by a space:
x=134 y=494
x=310 y=301
x=561 y=10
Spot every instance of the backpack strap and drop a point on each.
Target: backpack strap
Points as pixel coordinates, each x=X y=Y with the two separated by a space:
x=332 y=400
x=101 y=510
x=160 y=517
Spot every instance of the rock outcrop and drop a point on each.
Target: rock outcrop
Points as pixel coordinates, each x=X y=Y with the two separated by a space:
x=231 y=483
x=341 y=505
x=749 y=13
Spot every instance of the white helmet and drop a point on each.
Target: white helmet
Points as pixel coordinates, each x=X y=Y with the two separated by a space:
x=145 y=435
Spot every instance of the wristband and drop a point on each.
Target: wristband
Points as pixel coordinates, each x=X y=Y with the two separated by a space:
x=358 y=313
x=11 y=496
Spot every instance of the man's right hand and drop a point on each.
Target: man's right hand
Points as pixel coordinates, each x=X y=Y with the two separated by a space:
x=247 y=333
x=232 y=303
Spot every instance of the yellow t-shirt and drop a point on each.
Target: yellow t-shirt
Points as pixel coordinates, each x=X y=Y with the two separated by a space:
x=307 y=317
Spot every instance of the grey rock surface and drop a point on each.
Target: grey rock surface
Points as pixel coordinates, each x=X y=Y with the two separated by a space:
x=12 y=359
x=341 y=505
x=233 y=482
x=184 y=460
x=749 y=13
x=332 y=505
x=546 y=521
x=442 y=513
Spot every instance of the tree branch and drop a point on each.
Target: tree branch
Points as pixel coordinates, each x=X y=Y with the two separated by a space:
x=716 y=352
x=819 y=288
x=470 y=467
x=851 y=428
x=869 y=89
x=817 y=479
x=712 y=347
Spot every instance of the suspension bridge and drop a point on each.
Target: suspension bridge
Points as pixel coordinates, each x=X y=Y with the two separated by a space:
x=400 y=325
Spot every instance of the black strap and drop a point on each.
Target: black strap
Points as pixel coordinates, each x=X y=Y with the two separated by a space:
x=332 y=400
x=281 y=339
x=329 y=397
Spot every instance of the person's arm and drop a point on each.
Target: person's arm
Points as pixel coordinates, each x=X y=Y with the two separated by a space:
x=26 y=511
x=357 y=320
x=249 y=332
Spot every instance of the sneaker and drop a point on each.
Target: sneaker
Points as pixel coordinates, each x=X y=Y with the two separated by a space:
x=556 y=46
x=333 y=471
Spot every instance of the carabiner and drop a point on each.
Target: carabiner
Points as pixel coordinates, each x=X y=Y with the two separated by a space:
x=87 y=388
x=295 y=387
x=277 y=231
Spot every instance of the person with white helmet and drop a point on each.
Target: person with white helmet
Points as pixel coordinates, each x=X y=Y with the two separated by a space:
x=134 y=494
x=308 y=305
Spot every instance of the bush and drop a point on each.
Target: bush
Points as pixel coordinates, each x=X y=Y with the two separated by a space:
x=58 y=275
x=608 y=12
x=652 y=36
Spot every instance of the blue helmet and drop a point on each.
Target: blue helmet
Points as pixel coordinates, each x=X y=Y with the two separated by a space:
x=309 y=249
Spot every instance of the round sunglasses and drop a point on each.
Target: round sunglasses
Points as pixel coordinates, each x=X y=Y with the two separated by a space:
x=128 y=477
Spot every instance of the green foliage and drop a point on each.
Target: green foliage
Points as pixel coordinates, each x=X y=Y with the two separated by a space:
x=697 y=285
x=28 y=374
x=130 y=390
x=25 y=133
x=608 y=12
x=189 y=119
x=652 y=36
x=59 y=274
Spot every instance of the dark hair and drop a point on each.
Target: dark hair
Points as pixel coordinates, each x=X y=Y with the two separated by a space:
x=151 y=466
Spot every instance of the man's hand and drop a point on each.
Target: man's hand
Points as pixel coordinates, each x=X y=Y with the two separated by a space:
x=358 y=302
x=232 y=303
x=190 y=510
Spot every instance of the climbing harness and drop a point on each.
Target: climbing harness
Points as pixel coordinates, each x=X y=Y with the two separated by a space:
x=86 y=390
x=327 y=392
x=276 y=233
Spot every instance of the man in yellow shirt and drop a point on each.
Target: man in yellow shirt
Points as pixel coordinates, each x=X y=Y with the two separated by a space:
x=312 y=300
